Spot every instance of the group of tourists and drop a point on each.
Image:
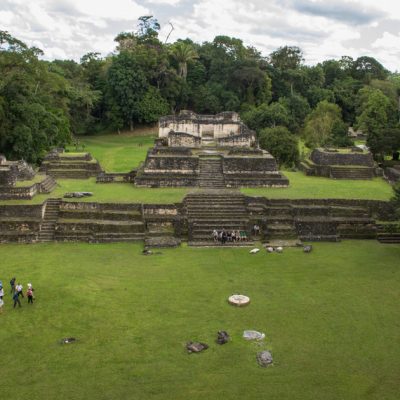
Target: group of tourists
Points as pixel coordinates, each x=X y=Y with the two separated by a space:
x=224 y=236
x=17 y=292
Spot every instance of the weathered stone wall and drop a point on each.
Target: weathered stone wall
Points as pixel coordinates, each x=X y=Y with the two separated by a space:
x=218 y=125
x=180 y=139
x=243 y=164
x=171 y=164
x=20 y=223
x=247 y=139
x=8 y=176
x=318 y=156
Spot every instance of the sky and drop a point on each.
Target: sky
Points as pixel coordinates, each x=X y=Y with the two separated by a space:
x=323 y=29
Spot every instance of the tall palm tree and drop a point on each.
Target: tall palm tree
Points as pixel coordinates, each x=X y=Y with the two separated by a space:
x=183 y=53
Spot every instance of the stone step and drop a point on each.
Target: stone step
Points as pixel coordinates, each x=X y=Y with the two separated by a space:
x=211 y=243
x=319 y=238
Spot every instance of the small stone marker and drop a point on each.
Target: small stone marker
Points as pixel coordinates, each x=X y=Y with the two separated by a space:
x=254 y=251
x=239 y=300
x=279 y=249
x=270 y=249
x=307 y=249
x=264 y=358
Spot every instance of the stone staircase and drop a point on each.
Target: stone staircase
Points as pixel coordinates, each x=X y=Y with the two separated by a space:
x=389 y=236
x=211 y=175
x=349 y=172
x=280 y=222
x=48 y=225
x=209 y=210
x=48 y=184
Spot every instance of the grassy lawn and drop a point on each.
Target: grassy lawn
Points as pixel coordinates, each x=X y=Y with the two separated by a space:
x=117 y=153
x=330 y=318
x=302 y=186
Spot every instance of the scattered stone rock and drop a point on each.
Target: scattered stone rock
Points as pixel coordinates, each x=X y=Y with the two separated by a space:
x=239 y=300
x=196 y=347
x=270 y=249
x=279 y=249
x=264 y=358
x=78 y=195
x=307 y=249
x=253 y=335
x=68 y=340
x=254 y=251
x=222 y=337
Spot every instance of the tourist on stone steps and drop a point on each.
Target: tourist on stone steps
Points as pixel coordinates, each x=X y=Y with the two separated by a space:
x=29 y=293
x=18 y=289
x=12 y=284
x=16 y=299
x=224 y=236
x=256 y=230
x=215 y=235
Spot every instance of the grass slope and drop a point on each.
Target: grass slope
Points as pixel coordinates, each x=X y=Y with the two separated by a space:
x=331 y=319
x=117 y=153
x=309 y=187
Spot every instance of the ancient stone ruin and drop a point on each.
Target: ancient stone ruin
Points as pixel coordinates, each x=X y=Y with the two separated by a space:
x=349 y=163
x=18 y=181
x=210 y=151
x=59 y=164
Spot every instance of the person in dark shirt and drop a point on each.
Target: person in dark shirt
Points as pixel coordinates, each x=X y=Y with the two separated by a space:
x=12 y=284
x=16 y=299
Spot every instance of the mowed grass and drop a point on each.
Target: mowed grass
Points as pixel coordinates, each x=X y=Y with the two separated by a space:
x=118 y=153
x=331 y=320
x=313 y=187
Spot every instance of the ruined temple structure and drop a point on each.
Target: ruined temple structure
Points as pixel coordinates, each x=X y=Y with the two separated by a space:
x=210 y=151
x=60 y=164
x=19 y=181
x=195 y=218
x=349 y=163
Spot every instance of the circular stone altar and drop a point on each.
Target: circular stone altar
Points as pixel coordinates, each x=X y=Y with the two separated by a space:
x=239 y=300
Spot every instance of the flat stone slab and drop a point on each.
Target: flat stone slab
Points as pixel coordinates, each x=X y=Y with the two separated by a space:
x=239 y=300
x=196 y=347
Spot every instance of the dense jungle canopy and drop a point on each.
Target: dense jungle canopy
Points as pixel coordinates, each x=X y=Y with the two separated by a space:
x=44 y=103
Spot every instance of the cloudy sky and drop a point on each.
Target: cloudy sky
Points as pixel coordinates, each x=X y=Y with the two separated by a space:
x=321 y=28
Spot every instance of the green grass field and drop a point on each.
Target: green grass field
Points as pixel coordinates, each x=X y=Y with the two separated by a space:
x=301 y=186
x=118 y=153
x=330 y=318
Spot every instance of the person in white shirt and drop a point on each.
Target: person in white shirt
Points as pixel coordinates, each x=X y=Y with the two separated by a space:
x=18 y=289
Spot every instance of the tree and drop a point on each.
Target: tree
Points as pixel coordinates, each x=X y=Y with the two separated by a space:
x=266 y=116
x=321 y=124
x=367 y=68
x=183 y=53
x=281 y=144
x=127 y=86
x=373 y=108
x=152 y=106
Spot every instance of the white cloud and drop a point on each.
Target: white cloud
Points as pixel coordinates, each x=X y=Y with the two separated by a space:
x=71 y=28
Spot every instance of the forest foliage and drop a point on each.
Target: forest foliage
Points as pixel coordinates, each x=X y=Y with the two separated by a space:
x=44 y=103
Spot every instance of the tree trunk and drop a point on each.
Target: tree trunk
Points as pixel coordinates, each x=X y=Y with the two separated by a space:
x=131 y=125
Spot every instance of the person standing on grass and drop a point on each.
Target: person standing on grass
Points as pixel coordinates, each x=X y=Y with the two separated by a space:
x=12 y=284
x=1 y=291
x=29 y=294
x=1 y=305
x=16 y=299
x=19 y=288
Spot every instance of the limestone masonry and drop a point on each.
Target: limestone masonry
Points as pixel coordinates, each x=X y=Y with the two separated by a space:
x=211 y=151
